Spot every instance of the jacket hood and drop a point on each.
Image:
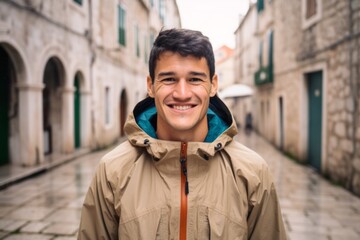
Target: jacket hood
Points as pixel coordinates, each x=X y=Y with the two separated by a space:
x=140 y=129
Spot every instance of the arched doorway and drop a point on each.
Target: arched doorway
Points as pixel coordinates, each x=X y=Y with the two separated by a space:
x=52 y=105
x=77 y=111
x=123 y=111
x=8 y=104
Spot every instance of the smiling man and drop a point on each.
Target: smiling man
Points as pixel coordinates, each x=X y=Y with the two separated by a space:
x=182 y=88
x=181 y=175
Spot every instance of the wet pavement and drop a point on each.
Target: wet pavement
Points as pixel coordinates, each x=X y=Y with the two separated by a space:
x=47 y=206
x=312 y=207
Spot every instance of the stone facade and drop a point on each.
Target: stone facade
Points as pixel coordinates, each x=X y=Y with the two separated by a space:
x=245 y=60
x=325 y=42
x=224 y=64
x=69 y=82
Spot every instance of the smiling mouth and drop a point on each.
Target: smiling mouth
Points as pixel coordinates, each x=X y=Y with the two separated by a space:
x=181 y=107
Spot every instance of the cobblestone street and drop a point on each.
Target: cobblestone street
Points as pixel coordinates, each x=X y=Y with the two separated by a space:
x=48 y=206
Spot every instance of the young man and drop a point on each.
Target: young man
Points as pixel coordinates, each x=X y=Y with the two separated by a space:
x=181 y=175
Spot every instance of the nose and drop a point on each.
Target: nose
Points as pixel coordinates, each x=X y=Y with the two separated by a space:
x=182 y=90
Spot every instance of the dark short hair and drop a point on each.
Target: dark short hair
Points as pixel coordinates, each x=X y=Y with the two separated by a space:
x=185 y=42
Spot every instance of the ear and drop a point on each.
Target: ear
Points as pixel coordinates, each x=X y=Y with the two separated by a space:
x=214 y=85
x=150 y=86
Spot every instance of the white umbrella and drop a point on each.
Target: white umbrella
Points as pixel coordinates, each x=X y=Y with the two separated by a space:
x=236 y=90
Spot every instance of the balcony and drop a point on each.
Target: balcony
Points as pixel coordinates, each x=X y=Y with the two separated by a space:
x=264 y=75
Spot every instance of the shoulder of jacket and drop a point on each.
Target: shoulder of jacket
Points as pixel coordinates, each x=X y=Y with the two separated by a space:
x=121 y=159
x=250 y=168
x=241 y=155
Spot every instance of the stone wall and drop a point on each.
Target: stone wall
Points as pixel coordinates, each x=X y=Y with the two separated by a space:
x=329 y=42
x=355 y=92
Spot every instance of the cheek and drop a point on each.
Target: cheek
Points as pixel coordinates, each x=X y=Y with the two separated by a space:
x=157 y=91
x=204 y=89
x=160 y=88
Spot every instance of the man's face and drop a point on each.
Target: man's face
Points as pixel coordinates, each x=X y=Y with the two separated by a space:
x=182 y=91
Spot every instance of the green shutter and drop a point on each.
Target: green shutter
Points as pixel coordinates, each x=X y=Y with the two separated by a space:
x=271 y=36
x=261 y=54
x=77 y=106
x=271 y=55
x=260 y=5
x=78 y=2
x=121 y=27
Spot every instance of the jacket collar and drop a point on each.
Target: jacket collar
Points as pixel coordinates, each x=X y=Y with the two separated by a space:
x=140 y=131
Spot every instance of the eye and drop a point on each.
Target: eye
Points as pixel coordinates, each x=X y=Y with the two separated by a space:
x=168 y=80
x=195 y=80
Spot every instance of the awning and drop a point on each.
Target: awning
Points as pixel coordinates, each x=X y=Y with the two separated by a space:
x=236 y=90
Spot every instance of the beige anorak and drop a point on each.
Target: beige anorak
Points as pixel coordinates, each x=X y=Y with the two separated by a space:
x=135 y=193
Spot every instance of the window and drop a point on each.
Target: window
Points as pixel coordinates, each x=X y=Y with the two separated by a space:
x=271 y=36
x=78 y=2
x=145 y=49
x=121 y=26
x=137 y=41
x=260 y=5
x=107 y=105
x=152 y=38
x=261 y=54
x=162 y=10
x=310 y=8
x=311 y=11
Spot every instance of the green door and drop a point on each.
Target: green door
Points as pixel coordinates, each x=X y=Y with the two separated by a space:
x=281 y=118
x=4 y=106
x=315 y=119
x=77 y=112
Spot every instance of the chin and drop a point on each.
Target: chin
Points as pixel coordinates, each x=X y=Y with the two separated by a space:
x=178 y=127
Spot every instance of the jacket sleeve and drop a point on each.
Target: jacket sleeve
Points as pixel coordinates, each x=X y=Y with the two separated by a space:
x=98 y=217
x=265 y=220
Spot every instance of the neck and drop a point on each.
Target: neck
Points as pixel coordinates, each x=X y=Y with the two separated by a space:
x=198 y=134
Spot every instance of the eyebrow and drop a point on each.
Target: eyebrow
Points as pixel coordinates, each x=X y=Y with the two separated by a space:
x=165 y=74
x=201 y=74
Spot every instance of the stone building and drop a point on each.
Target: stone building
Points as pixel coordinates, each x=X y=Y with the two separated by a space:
x=71 y=70
x=246 y=63
x=224 y=64
x=308 y=83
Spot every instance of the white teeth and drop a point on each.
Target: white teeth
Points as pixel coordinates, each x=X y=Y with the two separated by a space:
x=182 y=108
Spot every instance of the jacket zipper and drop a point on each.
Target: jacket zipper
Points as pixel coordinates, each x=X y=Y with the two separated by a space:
x=184 y=191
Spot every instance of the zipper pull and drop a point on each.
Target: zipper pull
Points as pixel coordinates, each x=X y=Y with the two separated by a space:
x=183 y=157
x=184 y=170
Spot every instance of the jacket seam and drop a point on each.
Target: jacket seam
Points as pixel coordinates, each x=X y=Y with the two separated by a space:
x=225 y=215
x=132 y=218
